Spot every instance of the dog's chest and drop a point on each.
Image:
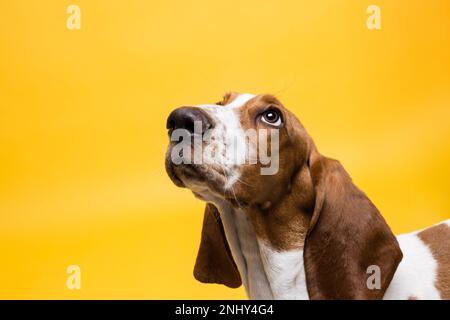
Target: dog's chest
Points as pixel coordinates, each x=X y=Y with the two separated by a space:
x=285 y=272
x=265 y=272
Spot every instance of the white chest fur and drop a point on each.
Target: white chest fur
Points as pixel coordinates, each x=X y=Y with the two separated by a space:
x=266 y=273
x=285 y=272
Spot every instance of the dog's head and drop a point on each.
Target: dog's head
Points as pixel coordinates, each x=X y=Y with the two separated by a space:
x=244 y=149
x=251 y=153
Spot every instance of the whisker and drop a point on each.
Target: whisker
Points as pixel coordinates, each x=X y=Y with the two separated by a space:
x=226 y=178
x=243 y=182
x=232 y=189
x=235 y=198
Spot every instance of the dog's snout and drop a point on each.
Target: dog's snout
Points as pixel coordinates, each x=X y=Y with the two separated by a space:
x=189 y=118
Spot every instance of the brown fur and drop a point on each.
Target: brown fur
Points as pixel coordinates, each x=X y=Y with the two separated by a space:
x=437 y=239
x=346 y=236
x=281 y=213
x=228 y=98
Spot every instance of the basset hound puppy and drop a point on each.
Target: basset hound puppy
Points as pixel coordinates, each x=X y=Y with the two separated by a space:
x=303 y=232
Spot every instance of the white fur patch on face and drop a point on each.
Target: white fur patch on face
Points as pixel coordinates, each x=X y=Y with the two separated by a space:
x=227 y=147
x=416 y=273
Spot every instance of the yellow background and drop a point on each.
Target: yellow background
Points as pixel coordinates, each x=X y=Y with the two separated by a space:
x=82 y=125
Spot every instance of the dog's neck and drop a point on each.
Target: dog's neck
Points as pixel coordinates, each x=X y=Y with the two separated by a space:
x=267 y=245
x=266 y=273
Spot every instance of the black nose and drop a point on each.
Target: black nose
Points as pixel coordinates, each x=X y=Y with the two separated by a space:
x=186 y=117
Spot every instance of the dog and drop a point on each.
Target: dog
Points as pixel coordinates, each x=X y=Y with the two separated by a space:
x=303 y=232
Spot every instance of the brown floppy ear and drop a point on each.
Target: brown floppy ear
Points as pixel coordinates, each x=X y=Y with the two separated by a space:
x=347 y=235
x=214 y=262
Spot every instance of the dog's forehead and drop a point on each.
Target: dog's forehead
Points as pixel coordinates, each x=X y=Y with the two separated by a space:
x=232 y=104
x=240 y=100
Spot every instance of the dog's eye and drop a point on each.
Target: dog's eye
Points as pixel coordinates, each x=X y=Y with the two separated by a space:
x=272 y=117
